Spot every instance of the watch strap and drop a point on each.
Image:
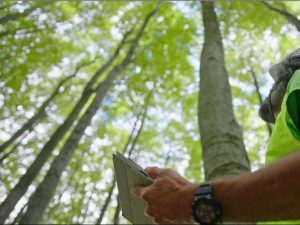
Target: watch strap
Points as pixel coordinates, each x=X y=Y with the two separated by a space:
x=204 y=189
x=204 y=194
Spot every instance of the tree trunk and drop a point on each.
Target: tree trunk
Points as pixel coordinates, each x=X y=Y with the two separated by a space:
x=4 y=5
x=117 y=213
x=259 y=95
x=65 y=188
x=17 y=218
x=86 y=206
x=37 y=116
x=17 y=144
x=223 y=149
x=118 y=208
x=17 y=15
x=17 y=192
x=107 y=201
x=134 y=139
x=30 y=30
x=291 y=18
x=76 y=206
x=41 y=197
x=26 y=12
x=256 y=85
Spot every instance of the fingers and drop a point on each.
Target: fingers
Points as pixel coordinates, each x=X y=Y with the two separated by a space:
x=153 y=172
x=141 y=192
x=138 y=191
x=159 y=220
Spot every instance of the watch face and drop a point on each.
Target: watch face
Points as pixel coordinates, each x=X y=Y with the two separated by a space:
x=206 y=213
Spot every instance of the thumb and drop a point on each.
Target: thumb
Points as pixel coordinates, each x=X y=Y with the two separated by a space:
x=138 y=191
x=153 y=172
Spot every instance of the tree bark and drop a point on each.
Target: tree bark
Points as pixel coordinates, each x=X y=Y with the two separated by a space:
x=259 y=95
x=117 y=213
x=65 y=188
x=107 y=201
x=290 y=17
x=41 y=197
x=15 y=146
x=21 y=187
x=223 y=149
x=86 y=206
x=17 y=15
x=16 y=220
x=134 y=138
x=39 y=113
x=140 y=128
x=30 y=30
x=256 y=85
x=5 y=5
x=118 y=208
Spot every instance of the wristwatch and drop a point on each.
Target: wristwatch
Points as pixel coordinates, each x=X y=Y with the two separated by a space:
x=205 y=209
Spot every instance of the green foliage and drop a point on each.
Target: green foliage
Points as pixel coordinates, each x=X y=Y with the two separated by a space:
x=40 y=49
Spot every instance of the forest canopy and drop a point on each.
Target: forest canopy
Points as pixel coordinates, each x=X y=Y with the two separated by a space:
x=81 y=80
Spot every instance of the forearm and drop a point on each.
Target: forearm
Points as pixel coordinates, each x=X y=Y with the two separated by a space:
x=271 y=193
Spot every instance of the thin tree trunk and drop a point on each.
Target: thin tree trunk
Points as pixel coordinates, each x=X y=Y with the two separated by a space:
x=86 y=206
x=117 y=213
x=224 y=152
x=108 y=198
x=39 y=113
x=14 y=147
x=64 y=189
x=17 y=218
x=17 y=192
x=256 y=85
x=125 y=149
x=118 y=208
x=107 y=201
x=26 y=30
x=140 y=128
x=5 y=117
x=41 y=197
x=75 y=208
x=4 y=58
x=17 y=15
x=19 y=142
x=6 y=5
x=290 y=17
x=259 y=94
x=29 y=30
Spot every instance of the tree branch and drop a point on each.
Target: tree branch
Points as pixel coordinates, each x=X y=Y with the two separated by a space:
x=17 y=15
x=290 y=17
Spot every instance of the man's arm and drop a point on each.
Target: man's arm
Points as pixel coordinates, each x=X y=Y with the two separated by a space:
x=271 y=193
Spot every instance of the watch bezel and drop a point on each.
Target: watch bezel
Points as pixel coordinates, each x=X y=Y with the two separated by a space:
x=206 y=198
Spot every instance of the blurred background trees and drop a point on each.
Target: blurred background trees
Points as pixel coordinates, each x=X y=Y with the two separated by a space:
x=81 y=80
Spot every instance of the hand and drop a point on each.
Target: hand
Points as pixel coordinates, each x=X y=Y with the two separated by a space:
x=169 y=198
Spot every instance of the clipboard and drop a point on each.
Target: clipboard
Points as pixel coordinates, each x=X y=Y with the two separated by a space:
x=129 y=174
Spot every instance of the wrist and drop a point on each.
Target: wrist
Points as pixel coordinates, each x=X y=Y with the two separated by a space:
x=230 y=194
x=220 y=195
x=205 y=209
x=187 y=198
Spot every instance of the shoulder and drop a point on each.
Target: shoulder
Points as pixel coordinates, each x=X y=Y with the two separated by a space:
x=293 y=100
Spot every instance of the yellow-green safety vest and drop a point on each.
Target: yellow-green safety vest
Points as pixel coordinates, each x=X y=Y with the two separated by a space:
x=285 y=137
